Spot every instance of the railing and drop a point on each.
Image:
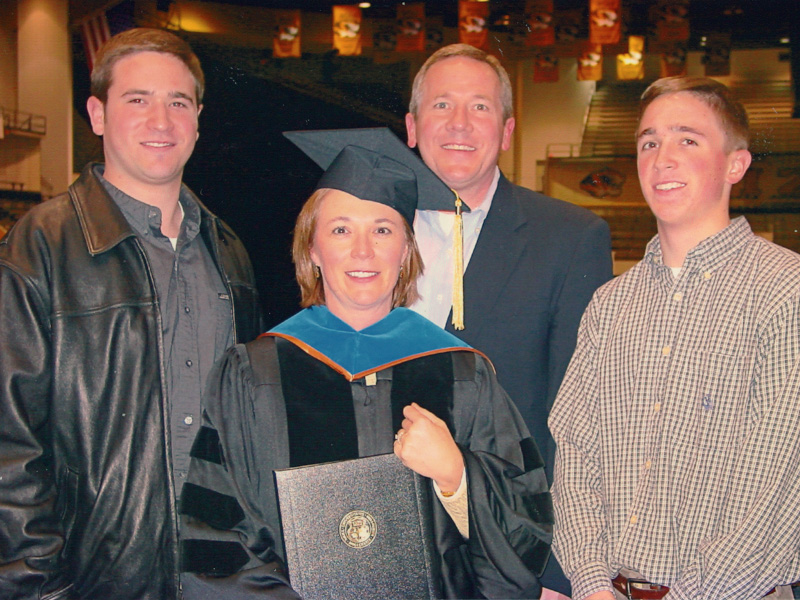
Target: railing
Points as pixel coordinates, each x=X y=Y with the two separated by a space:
x=563 y=150
x=17 y=120
x=12 y=185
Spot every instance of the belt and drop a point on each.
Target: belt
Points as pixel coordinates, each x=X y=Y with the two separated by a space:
x=639 y=589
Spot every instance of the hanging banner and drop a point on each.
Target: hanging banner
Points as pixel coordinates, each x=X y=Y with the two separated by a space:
x=631 y=64
x=570 y=30
x=545 y=67
x=411 y=27
x=473 y=23
x=717 y=58
x=512 y=43
x=434 y=33
x=673 y=62
x=604 y=21
x=347 y=30
x=286 y=41
x=590 y=62
x=671 y=18
x=541 y=28
x=384 y=41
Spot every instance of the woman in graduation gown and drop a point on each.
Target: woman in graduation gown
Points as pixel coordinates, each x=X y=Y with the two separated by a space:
x=355 y=374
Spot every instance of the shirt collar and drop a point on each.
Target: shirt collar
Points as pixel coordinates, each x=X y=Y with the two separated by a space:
x=442 y=221
x=710 y=254
x=144 y=218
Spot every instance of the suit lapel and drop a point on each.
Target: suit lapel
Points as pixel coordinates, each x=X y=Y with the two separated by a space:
x=494 y=258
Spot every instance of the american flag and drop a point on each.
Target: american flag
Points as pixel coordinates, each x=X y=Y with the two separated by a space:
x=99 y=27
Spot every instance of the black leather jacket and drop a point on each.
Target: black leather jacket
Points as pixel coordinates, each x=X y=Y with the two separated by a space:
x=87 y=505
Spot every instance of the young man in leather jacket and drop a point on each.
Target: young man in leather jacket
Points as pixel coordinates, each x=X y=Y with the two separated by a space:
x=117 y=298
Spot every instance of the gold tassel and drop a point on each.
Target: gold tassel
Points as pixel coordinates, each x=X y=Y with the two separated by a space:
x=458 y=267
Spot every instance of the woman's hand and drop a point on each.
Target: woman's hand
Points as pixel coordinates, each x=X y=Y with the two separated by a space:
x=425 y=445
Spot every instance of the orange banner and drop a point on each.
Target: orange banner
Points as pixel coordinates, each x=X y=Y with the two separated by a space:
x=411 y=27
x=286 y=42
x=631 y=64
x=673 y=63
x=671 y=18
x=473 y=23
x=541 y=28
x=347 y=30
x=590 y=62
x=717 y=58
x=605 y=19
x=545 y=67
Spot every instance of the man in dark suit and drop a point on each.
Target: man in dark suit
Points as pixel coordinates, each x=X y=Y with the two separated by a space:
x=532 y=262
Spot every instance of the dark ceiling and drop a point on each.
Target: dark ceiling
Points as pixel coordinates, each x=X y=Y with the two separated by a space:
x=752 y=23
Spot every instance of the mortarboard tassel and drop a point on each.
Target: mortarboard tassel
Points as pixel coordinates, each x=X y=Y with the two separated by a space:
x=458 y=267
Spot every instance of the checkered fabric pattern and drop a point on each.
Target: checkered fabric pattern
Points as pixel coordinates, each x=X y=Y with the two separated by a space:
x=678 y=425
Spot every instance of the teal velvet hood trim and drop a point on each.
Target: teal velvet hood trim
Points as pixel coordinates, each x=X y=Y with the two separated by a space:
x=400 y=336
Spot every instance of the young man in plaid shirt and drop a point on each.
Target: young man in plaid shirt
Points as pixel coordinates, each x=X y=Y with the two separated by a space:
x=678 y=458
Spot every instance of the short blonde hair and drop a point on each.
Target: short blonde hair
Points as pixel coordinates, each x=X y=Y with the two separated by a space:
x=715 y=95
x=466 y=51
x=312 y=291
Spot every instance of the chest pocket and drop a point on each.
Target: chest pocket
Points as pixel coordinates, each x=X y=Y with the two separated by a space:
x=719 y=400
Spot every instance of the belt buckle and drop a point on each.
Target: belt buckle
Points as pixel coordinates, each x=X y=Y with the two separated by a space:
x=652 y=587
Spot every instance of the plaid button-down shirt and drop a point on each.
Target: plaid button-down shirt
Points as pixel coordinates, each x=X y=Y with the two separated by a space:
x=678 y=425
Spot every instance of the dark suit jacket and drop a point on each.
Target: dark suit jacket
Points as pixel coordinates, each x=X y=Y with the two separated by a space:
x=537 y=263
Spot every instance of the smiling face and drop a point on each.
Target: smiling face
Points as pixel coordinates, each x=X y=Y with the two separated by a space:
x=359 y=246
x=148 y=123
x=459 y=125
x=685 y=168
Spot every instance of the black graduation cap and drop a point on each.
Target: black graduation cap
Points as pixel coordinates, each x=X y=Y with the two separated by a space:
x=373 y=164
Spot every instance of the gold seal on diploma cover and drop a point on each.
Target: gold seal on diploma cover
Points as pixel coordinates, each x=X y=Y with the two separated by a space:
x=358 y=529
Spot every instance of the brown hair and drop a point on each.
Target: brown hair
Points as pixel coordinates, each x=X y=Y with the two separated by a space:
x=469 y=52
x=715 y=95
x=311 y=288
x=138 y=40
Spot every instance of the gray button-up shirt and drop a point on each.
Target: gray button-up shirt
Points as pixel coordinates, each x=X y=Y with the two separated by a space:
x=195 y=311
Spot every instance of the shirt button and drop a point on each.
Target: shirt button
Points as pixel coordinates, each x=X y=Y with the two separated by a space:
x=666 y=350
x=186 y=309
x=189 y=363
x=634 y=519
x=706 y=275
x=188 y=419
x=677 y=297
x=657 y=406
x=647 y=465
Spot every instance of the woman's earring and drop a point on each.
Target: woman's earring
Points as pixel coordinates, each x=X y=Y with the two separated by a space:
x=317 y=272
x=400 y=276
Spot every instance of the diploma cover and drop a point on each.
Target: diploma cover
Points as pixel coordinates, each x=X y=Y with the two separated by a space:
x=358 y=529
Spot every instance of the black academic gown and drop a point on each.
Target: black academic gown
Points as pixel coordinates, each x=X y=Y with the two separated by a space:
x=271 y=404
